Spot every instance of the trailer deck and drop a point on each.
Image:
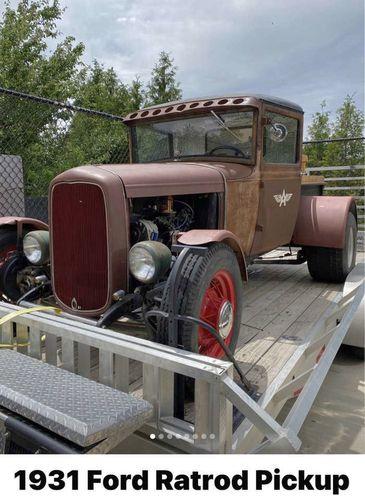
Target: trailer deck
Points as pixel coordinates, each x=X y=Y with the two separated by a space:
x=291 y=330
x=281 y=305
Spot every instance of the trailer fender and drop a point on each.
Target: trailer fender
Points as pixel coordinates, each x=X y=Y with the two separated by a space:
x=321 y=221
x=209 y=236
x=22 y=221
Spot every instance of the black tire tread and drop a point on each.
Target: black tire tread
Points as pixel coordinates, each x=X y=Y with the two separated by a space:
x=327 y=264
x=191 y=276
x=8 y=236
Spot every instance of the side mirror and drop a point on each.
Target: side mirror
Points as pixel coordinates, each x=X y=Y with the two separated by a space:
x=278 y=132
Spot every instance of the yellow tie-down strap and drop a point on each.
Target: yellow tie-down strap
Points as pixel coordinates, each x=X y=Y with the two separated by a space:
x=21 y=312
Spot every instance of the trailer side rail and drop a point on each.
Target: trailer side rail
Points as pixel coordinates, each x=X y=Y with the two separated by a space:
x=333 y=337
x=67 y=343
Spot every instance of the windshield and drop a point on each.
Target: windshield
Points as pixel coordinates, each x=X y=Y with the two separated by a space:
x=227 y=134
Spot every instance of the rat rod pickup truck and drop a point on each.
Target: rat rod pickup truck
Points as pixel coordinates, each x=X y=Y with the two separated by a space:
x=213 y=184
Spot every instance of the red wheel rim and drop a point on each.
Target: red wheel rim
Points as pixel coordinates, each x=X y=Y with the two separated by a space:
x=5 y=253
x=218 y=306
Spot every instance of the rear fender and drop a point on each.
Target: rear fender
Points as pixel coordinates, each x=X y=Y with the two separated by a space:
x=321 y=221
x=20 y=222
x=208 y=236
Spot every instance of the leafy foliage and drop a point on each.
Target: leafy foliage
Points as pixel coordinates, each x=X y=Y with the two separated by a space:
x=163 y=86
x=137 y=94
x=27 y=64
x=319 y=129
x=49 y=138
x=26 y=61
x=348 y=123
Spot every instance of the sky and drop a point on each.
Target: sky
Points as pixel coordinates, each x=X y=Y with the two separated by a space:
x=303 y=50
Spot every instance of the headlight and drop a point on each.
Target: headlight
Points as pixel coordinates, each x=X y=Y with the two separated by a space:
x=149 y=260
x=36 y=247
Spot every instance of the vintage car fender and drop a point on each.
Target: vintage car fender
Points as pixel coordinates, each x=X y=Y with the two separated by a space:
x=321 y=221
x=207 y=236
x=24 y=221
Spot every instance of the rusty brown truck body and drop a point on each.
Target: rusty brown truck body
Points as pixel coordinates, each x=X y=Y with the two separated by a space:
x=218 y=177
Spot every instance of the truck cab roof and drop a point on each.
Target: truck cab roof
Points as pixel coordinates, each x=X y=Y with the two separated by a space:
x=201 y=103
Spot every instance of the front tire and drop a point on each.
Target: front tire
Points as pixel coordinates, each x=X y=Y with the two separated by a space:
x=209 y=288
x=334 y=264
x=8 y=239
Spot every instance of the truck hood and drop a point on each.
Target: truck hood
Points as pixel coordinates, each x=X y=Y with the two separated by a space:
x=157 y=179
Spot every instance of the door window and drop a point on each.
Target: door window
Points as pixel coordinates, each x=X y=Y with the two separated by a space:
x=280 y=139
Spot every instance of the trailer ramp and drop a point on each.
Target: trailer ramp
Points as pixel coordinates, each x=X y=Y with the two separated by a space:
x=76 y=414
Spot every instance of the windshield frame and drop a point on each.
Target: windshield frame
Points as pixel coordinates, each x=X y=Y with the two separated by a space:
x=215 y=158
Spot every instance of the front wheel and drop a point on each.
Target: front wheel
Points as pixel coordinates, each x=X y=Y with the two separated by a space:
x=334 y=264
x=209 y=288
x=8 y=239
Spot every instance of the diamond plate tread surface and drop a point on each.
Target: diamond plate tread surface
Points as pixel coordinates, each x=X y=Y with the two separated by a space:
x=72 y=406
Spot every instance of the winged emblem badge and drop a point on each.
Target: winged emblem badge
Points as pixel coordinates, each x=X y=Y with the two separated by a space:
x=283 y=198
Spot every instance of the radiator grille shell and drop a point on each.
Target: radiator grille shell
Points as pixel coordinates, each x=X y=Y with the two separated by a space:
x=79 y=236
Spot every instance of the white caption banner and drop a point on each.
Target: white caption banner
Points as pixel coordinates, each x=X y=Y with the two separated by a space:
x=106 y=476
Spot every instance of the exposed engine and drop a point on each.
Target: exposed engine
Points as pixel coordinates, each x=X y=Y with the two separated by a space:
x=30 y=277
x=162 y=218
x=18 y=278
x=155 y=223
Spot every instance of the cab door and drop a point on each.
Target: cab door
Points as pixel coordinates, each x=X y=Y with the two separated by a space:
x=280 y=179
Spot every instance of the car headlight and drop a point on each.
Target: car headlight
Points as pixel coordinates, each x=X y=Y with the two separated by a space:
x=149 y=260
x=36 y=247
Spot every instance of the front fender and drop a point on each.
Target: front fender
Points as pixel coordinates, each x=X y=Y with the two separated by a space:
x=208 y=236
x=321 y=221
x=23 y=221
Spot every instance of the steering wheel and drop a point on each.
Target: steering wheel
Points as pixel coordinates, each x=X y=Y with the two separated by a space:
x=233 y=148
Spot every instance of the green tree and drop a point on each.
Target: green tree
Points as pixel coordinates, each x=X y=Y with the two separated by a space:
x=35 y=58
x=137 y=94
x=319 y=129
x=26 y=61
x=163 y=86
x=93 y=139
x=102 y=90
x=349 y=122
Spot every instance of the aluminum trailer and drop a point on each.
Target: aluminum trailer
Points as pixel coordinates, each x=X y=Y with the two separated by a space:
x=291 y=331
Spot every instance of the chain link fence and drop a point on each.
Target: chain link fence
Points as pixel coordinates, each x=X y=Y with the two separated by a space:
x=40 y=138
